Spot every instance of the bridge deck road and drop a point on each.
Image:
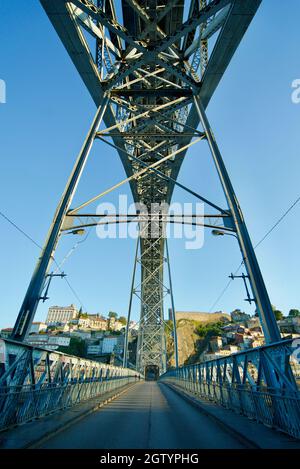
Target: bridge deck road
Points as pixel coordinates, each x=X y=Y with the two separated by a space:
x=147 y=416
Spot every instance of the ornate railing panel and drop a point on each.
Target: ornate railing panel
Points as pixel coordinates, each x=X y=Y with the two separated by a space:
x=255 y=383
x=35 y=382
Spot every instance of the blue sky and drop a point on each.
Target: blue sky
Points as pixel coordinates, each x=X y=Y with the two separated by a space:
x=44 y=122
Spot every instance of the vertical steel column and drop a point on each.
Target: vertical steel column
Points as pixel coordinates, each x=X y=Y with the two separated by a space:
x=261 y=296
x=125 y=354
x=151 y=349
x=173 y=307
x=33 y=294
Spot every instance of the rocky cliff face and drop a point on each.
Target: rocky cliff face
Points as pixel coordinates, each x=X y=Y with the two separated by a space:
x=203 y=317
x=189 y=342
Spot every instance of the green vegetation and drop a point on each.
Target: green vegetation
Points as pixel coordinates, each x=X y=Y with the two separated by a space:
x=294 y=313
x=76 y=347
x=209 y=329
x=205 y=332
x=112 y=314
x=169 y=327
x=123 y=320
x=278 y=314
x=194 y=336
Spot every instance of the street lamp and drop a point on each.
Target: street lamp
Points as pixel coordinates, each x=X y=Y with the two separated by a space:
x=217 y=233
x=222 y=233
x=79 y=232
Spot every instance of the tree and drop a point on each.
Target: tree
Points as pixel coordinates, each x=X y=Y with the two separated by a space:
x=76 y=347
x=294 y=313
x=278 y=314
x=169 y=327
x=112 y=314
x=123 y=320
x=210 y=329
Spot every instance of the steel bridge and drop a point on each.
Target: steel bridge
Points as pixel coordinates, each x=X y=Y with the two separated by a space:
x=151 y=68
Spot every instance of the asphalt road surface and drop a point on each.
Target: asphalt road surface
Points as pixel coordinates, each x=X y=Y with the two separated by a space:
x=147 y=416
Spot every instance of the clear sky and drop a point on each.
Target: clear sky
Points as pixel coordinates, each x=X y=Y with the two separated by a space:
x=44 y=123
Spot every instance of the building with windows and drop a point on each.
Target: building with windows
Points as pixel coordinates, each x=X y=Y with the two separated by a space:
x=92 y=321
x=61 y=314
x=49 y=342
x=37 y=327
x=108 y=344
x=119 y=348
x=84 y=335
x=239 y=316
x=215 y=343
x=290 y=325
x=94 y=349
x=6 y=333
x=98 y=322
x=83 y=322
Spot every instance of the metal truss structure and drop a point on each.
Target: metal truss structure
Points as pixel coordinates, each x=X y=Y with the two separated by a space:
x=252 y=383
x=151 y=346
x=36 y=382
x=151 y=290
x=150 y=71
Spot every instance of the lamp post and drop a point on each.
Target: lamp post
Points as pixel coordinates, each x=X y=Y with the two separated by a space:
x=222 y=233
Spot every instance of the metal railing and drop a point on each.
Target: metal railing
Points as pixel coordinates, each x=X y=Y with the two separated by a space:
x=257 y=384
x=35 y=382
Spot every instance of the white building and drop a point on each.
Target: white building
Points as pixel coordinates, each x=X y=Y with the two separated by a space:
x=98 y=322
x=84 y=335
x=290 y=325
x=239 y=316
x=93 y=321
x=51 y=342
x=118 y=326
x=216 y=343
x=253 y=322
x=94 y=349
x=109 y=344
x=84 y=322
x=133 y=326
x=61 y=314
x=6 y=333
x=61 y=341
x=119 y=348
x=37 y=327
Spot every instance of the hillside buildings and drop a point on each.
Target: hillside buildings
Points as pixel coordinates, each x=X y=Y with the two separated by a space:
x=49 y=342
x=61 y=314
x=106 y=346
x=72 y=319
x=239 y=316
x=92 y=321
x=37 y=327
x=290 y=325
